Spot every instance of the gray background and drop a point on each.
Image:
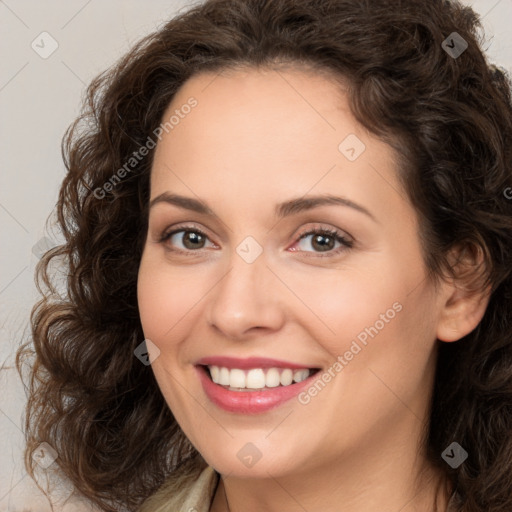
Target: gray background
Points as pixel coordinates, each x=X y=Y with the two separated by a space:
x=39 y=97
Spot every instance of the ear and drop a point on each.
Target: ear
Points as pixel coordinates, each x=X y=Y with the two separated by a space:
x=464 y=299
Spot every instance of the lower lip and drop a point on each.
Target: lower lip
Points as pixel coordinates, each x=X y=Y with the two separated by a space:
x=249 y=402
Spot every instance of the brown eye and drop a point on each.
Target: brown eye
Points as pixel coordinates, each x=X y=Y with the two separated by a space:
x=185 y=239
x=322 y=240
x=193 y=240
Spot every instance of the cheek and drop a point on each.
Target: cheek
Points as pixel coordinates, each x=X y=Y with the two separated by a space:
x=380 y=317
x=388 y=354
x=167 y=298
x=337 y=305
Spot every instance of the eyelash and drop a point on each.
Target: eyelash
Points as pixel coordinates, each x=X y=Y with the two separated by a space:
x=333 y=233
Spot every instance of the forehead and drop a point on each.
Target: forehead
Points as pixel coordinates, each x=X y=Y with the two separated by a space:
x=278 y=109
x=269 y=133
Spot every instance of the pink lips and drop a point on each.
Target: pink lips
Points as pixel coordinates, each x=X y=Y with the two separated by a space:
x=251 y=362
x=248 y=402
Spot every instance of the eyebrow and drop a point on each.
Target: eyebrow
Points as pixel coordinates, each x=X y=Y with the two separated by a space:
x=284 y=209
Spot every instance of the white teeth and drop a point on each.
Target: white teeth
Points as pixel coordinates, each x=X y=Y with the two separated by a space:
x=224 y=377
x=214 y=370
x=272 y=378
x=286 y=377
x=237 y=378
x=256 y=378
x=300 y=375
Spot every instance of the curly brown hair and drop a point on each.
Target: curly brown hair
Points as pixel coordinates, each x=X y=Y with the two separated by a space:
x=449 y=117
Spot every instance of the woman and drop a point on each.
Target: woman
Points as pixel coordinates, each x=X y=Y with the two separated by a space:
x=289 y=243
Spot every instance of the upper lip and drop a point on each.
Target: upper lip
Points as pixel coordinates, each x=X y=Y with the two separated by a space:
x=250 y=362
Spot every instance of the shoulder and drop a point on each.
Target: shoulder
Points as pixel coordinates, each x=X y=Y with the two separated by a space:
x=187 y=493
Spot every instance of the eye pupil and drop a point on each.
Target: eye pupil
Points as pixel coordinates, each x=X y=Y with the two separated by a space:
x=319 y=241
x=192 y=240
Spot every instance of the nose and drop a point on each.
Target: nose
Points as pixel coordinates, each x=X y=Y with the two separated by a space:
x=247 y=300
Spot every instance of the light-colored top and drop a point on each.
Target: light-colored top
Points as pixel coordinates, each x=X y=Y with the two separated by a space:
x=198 y=496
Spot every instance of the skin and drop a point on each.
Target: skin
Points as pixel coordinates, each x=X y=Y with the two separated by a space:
x=255 y=139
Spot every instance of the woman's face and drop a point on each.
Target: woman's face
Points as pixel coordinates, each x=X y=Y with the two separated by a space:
x=291 y=245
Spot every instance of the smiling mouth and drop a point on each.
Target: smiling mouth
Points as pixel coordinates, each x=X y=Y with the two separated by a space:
x=256 y=379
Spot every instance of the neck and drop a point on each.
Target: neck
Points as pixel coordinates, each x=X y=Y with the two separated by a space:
x=432 y=498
